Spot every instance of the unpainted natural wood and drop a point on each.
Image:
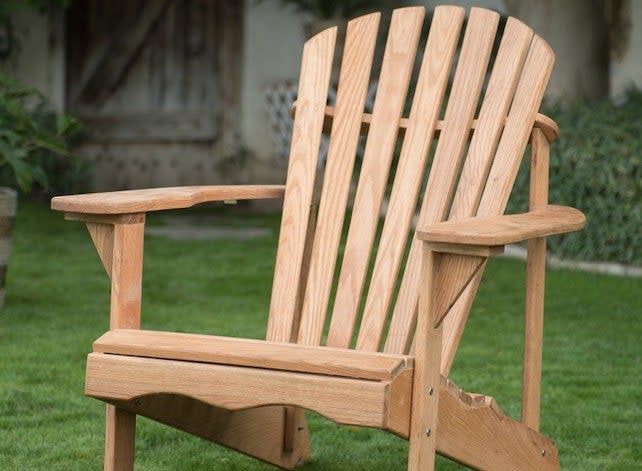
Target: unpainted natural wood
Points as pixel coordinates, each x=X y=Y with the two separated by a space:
x=464 y=249
x=234 y=391
x=542 y=122
x=428 y=97
x=455 y=322
x=464 y=94
x=316 y=67
x=120 y=436
x=351 y=95
x=535 y=279
x=127 y=276
x=156 y=199
x=344 y=400
x=103 y=237
x=519 y=123
x=397 y=66
x=246 y=352
x=542 y=221
x=257 y=432
x=424 y=420
x=474 y=431
x=492 y=116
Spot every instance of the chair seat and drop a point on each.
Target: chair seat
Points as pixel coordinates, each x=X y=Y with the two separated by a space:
x=253 y=353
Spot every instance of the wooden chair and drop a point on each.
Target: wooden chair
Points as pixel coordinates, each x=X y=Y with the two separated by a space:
x=390 y=370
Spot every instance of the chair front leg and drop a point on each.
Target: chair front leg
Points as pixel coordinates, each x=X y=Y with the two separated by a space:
x=119 y=242
x=425 y=392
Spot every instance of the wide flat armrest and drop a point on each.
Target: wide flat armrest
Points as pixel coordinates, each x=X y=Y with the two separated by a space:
x=156 y=199
x=506 y=229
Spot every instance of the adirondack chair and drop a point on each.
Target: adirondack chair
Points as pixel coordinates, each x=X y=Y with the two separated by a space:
x=390 y=370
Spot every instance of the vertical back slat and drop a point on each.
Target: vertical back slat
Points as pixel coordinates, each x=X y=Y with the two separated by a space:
x=467 y=84
x=492 y=117
x=316 y=66
x=398 y=62
x=353 y=85
x=431 y=85
x=519 y=124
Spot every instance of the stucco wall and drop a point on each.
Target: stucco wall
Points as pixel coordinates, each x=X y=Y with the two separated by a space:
x=273 y=45
x=39 y=61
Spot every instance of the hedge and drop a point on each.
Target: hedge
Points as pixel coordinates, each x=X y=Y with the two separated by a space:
x=596 y=167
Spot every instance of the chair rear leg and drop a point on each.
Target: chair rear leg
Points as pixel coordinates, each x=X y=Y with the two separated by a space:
x=120 y=432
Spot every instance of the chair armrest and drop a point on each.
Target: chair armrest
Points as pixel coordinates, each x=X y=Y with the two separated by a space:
x=506 y=229
x=156 y=199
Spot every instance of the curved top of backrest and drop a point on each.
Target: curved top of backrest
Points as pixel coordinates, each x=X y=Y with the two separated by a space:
x=467 y=175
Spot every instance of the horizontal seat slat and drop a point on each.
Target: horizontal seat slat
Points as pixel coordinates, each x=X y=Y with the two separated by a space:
x=254 y=353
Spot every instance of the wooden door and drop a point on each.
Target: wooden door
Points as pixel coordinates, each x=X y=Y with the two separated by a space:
x=157 y=85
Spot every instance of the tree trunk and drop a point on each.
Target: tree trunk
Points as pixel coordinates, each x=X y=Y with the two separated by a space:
x=577 y=32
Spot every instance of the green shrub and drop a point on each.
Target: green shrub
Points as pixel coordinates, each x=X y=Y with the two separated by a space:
x=596 y=166
x=34 y=141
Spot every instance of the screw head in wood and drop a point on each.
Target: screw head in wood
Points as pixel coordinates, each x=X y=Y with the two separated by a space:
x=543 y=452
x=431 y=391
x=428 y=432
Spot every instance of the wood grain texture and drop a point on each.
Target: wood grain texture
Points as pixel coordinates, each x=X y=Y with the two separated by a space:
x=398 y=62
x=351 y=95
x=492 y=116
x=474 y=431
x=427 y=100
x=528 y=97
x=256 y=432
x=156 y=199
x=424 y=420
x=535 y=285
x=316 y=66
x=542 y=122
x=465 y=91
x=455 y=322
x=344 y=400
x=506 y=229
x=103 y=237
x=254 y=353
x=127 y=276
x=464 y=94
x=120 y=436
x=453 y=273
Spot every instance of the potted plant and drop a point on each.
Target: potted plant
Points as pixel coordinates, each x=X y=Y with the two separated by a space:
x=31 y=136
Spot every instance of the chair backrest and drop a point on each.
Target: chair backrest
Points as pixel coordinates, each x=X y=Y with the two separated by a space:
x=472 y=170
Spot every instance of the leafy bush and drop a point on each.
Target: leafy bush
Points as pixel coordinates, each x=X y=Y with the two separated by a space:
x=596 y=166
x=34 y=144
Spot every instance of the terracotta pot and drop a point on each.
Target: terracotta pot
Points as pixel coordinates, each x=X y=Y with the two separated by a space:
x=8 y=205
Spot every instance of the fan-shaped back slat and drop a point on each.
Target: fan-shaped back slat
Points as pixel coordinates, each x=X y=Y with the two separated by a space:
x=499 y=94
x=314 y=81
x=519 y=124
x=467 y=84
x=396 y=71
x=457 y=187
x=501 y=87
x=351 y=94
x=429 y=93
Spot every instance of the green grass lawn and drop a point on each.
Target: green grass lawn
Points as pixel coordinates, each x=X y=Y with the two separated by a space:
x=57 y=304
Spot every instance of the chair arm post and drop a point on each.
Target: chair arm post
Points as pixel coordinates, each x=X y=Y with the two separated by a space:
x=119 y=240
x=127 y=275
x=535 y=281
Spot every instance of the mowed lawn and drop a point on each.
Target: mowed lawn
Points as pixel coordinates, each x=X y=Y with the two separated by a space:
x=57 y=304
